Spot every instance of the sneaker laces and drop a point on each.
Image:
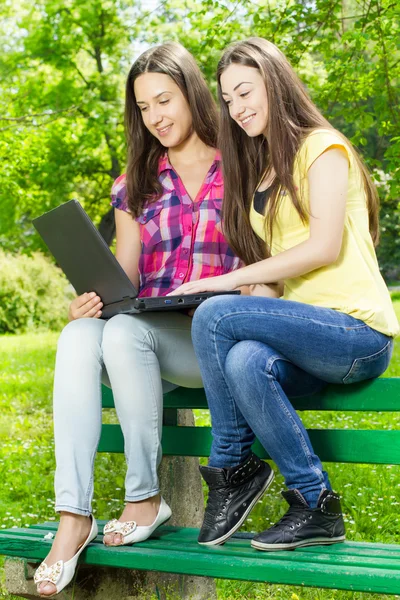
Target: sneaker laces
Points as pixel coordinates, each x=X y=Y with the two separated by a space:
x=295 y=515
x=217 y=499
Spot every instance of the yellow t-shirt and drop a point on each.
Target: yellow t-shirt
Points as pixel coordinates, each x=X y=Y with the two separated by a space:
x=353 y=284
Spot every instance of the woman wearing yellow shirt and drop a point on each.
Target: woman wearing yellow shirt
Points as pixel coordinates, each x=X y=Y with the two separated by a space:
x=301 y=211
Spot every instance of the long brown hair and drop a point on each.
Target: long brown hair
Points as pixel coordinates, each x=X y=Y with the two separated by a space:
x=292 y=116
x=144 y=150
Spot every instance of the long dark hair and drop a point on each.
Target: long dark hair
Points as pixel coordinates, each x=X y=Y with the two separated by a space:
x=292 y=116
x=144 y=150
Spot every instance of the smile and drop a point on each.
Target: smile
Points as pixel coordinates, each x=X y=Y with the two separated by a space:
x=164 y=130
x=247 y=120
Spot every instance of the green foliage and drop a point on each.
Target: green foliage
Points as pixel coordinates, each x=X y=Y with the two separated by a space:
x=389 y=247
x=33 y=293
x=64 y=65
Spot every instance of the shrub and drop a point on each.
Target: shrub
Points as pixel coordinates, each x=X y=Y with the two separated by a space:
x=395 y=296
x=33 y=294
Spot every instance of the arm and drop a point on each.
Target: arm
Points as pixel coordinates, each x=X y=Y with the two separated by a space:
x=328 y=182
x=268 y=290
x=129 y=246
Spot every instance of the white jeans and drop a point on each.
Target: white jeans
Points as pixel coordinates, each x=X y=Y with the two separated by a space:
x=139 y=357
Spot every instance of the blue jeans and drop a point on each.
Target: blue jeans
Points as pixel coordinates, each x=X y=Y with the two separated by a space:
x=254 y=352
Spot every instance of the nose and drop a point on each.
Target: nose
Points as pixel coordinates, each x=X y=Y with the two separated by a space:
x=237 y=109
x=154 y=117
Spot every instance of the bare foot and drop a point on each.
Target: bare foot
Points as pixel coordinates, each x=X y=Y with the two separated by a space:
x=72 y=532
x=143 y=512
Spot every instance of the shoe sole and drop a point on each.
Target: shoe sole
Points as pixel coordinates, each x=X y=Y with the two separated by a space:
x=223 y=538
x=311 y=542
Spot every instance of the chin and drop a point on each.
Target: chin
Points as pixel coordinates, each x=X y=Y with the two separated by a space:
x=253 y=133
x=170 y=143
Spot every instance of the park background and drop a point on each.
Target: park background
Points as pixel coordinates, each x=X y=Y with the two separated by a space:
x=63 y=66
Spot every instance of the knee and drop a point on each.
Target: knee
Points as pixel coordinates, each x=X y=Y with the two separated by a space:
x=121 y=333
x=241 y=362
x=205 y=315
x=81 y=336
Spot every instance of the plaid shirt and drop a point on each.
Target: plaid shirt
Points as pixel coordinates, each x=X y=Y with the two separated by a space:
x=181 y=239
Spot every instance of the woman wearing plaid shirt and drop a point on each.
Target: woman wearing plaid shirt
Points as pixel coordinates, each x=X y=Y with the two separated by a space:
x=168 y=220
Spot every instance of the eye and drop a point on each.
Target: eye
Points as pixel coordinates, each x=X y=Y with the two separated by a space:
x=142 y=108
x=164 y=101
x=244 y=95
x=228 y=102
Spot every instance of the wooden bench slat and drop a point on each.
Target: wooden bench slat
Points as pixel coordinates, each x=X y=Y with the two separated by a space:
x=174 y=541
x=375 y=395
x=240 y=540
x=295 y=568
x=333 y=445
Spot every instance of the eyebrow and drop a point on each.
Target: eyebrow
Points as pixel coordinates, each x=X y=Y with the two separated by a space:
x=155 y=97
x=235 y=88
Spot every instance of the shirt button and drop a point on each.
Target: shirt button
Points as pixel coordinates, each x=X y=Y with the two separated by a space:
x=185 y=251
x=181 y=275
x=189 y=228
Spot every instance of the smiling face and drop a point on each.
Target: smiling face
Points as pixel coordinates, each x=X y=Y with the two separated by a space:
x=243 y=90
x=164 y=108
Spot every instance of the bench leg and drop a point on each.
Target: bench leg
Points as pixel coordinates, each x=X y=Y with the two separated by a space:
x=181 y=487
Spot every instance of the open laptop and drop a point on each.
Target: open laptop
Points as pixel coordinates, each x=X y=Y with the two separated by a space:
x=90 y=265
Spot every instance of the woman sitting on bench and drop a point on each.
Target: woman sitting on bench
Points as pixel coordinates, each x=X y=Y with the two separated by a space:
x=168 y=231
x=300 y=208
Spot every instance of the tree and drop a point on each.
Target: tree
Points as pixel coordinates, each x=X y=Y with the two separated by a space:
x=61 y=119
x=63 y=68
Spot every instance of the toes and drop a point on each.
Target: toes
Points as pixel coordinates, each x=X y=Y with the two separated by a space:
x=113 y=539
x=107 y=539
x=46 y=589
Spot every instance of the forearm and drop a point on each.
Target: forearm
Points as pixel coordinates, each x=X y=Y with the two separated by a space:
x=296 y=261
x=267 y=290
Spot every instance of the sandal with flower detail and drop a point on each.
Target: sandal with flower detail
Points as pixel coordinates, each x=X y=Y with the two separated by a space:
x=61 y=573
x=132 y=532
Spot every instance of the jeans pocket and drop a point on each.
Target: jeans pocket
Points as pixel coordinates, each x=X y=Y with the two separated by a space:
x=371 y=366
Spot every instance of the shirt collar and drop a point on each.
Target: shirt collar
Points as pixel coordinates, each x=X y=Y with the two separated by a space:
x=165 y=165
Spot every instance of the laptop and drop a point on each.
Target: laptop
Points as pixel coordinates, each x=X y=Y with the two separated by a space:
x=90 y=265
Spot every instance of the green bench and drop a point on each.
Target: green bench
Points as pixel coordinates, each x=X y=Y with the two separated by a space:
x=369 y=567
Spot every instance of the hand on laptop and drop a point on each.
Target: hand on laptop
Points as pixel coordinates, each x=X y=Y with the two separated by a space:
x=88 y=305
x=221 y=283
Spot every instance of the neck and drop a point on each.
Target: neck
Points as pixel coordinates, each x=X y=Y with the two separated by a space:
x=190 y=151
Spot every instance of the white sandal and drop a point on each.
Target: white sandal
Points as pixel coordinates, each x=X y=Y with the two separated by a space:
x=132 y=532
x=60 y=573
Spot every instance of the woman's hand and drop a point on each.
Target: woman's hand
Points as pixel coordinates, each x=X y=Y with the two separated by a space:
x=222 y=283
x=85 y=306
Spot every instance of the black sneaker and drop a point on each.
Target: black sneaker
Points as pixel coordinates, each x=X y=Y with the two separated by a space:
x=232 y=494
x=304 y=526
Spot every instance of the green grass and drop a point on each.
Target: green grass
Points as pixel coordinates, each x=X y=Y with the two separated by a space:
x=371 y=494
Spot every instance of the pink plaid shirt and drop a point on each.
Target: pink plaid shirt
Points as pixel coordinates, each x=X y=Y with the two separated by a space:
x=181 y=239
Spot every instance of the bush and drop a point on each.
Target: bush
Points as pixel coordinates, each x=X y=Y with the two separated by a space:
x=33 y=294
x=395 y=296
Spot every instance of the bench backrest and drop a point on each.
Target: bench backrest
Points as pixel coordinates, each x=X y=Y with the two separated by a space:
x=332 y=445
